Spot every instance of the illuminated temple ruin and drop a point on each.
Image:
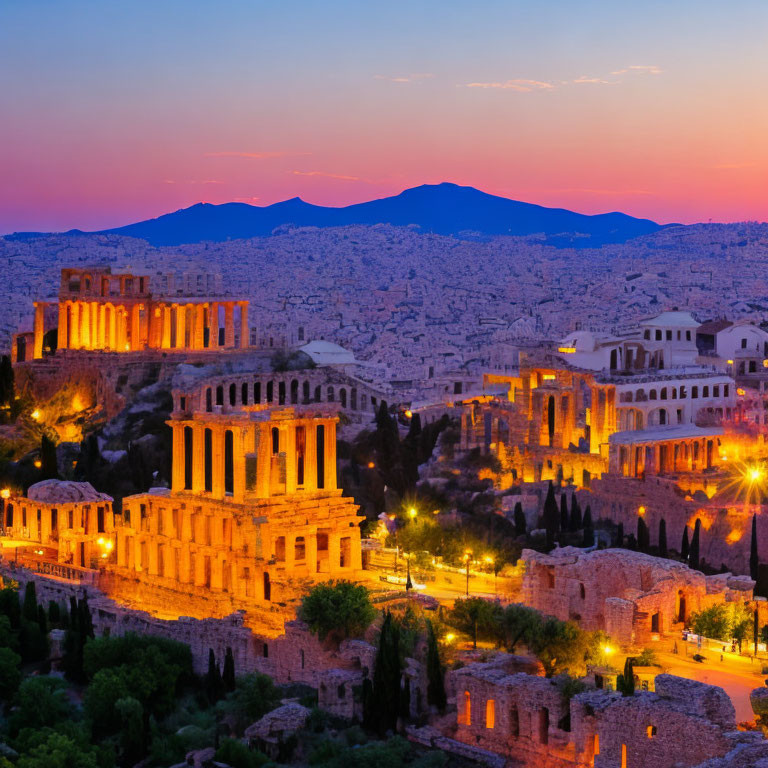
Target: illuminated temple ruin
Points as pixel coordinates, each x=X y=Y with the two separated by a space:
x=125 y=312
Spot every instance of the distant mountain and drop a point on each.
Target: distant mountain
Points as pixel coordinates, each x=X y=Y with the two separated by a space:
x=445 y=209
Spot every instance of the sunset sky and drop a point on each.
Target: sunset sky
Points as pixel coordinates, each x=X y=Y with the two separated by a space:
x=113 y=112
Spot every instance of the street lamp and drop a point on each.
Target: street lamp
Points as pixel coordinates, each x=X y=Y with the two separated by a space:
x=5 y=494
x=467 y=558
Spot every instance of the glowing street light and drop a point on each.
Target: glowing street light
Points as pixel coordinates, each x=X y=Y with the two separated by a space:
x=412 y=513
x=36 y=415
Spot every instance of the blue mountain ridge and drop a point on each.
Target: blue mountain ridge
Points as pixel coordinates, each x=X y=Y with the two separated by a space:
x=444 y=209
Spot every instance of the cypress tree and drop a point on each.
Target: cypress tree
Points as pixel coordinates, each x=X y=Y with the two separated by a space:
x=54 y=613
x=228 y=676
x=214 y=685
x=643 y=535
x=632 y=542
x=754 y=559
x=551 y=516
x=620 y=535
x=84 y=617
x=685 y=548
x=576 y=521
x=405 y=699
x=6 y=381
x=693 y=557
x=49 y=465
x=29 y=611
x=436 y=696
x=589 y=532
x=386 y=677
x=627 y=681
x=42 y=619
x=520 y=523
x=563 y=512
x=662 y=537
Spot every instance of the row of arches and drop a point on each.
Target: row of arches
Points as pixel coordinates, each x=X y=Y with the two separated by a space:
x=282 y=392
x=674 y=393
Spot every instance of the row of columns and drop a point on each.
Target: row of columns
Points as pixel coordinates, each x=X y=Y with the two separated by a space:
x=134 y=326
x=255 y=442
x=634 y=460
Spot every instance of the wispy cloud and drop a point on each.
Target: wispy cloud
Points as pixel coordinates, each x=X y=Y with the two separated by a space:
x=520 y=85
x=326 y=175
x=257 y=155
x=405 y=78
x=648 y=69
x=193 y=181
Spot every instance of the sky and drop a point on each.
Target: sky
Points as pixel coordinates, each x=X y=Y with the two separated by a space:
x=113 y=112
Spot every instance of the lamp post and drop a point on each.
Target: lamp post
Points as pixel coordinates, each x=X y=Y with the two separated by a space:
x=467 y=558
x=490 y=561
x=408 y=583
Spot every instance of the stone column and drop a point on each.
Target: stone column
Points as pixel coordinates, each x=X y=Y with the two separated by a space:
x=213 y=324
x=245 y=333
x=197 y=342
x=330 y=456
x=290 y=552
x=62 y=335
x=177 y=459
x=121 y=328
x=166 y=324
x=238 y=452
x=311 y=545
x=112 y=326
x=94 y=312
x=217 y=484
x=102 y=326
x=181 y=325
x=198 y=458
x=135 y=328
x=39 y=329
x=263 y=460
x=334 y=552
x=74 y=331
x=229 y=325
x=290 y=458
x=85 y=325
x=310 y=458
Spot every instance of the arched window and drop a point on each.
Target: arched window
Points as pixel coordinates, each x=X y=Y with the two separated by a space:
x=270 y=391
x=466 y=715
x=256 y=392
x=705 y=392
x=318 y=395
x=208 y=399
x=353 y=399
x=305 y=391
x=490 y=713
x=663 y=393
x=281 y=393
x=232 y=393
x=330 y=394
x=294 y=392
x=220 y=395
x=694 y=392
x=343 y=397
x=652 y=395
x=275 y=440
x=244 y=393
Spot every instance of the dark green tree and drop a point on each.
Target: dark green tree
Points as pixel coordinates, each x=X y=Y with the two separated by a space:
x=340 y=609
x=228 y=676
x=754 y=559
x=662 y=537
x=7 y=387
x=49 y=469
x=564 y=517
x=551 y=516
x=693 y=556
x=589 y=531
x=214 y=685
x=387 y=673
x=132 y=731
x=576 y=521
x=632 y=542
x=29 y=612
x=436 y=695
x=626 y=681
x=520 y=523
x=643 y=535
x=620 y=535
x=685 y=547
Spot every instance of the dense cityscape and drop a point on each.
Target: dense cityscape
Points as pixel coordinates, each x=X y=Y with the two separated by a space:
x=383 y=384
